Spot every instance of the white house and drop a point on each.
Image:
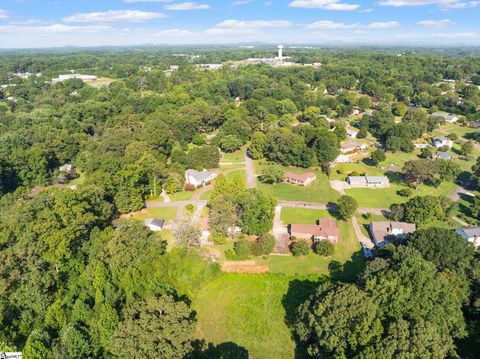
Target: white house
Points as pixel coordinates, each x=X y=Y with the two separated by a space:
x=351 y=133
x=199 y=178
x=352 y=146
x=471 y=234
x=62 y=78
x=368 y=181
x=448 y=117
x=438 y=142
x=154 y=224
x=382 y=231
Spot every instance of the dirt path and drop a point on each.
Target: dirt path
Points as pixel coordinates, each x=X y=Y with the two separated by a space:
x=338 y=186
x=244 y=267
x=165 y=196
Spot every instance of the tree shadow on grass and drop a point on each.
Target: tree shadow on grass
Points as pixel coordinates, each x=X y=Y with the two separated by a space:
x=347 y=272
x=299 y=290
x=227 y=350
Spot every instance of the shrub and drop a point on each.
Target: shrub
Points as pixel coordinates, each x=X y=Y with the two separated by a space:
x=324 y=248
x=405 y=192
x=300 y=248
x=256 y=249
x=242 y=248
x=230 y=255
x=354 y=173
x=189 y=208
x=267 y=243
x=189 y=187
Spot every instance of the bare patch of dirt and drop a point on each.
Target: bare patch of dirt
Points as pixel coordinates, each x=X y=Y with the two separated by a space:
x=244 y=267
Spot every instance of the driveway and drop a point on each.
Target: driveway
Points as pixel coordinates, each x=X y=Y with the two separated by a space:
x=360 y=236
x=280 y=232
x=250 y=169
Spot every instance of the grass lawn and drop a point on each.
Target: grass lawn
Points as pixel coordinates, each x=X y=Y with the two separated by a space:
x=345 y=263
x=206 y=195
x=231 y=167
x=167 y=213
x=384 y=197
x=182 y=196
x=302 y=215
x=236 y=174
x=236 y=156
x=318 y=191
x=251 y=311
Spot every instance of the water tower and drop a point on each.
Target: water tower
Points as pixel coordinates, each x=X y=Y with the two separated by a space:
x=280 y=52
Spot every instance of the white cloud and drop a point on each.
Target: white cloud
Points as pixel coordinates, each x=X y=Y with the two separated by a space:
x=114 y=16
x=444 y=4
x=383 y=25
x=253 y=24
x=241 y=2
x=51 y=29
x=370 y=9
x=436 y=23
x=3 y=14
x=323 y=4
x=331 y=25
x=189 y=5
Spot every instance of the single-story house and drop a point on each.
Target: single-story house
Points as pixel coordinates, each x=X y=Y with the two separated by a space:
x=154 y=224
x=325 y=229
x=303 y=179
x=438 y=142
x=393 y=168
x=471 y=234
x=351 y=133
x=368 y=181
x=199 y=178
x=421 y=145
x=67 y=168
x=343 y=159
x=442 y=155
x=381 y=231
x=352 y=146
x=356 y=111
x=448 y=117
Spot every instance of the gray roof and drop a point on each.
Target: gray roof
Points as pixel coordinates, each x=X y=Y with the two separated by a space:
x=368 y=179
x=469 y=232
x=200 y=176
x=393 y=168
x=444 y=155
x=446 y=116
x=440 y=139
x=159 y=222
x=381 y=230
x=357 y=179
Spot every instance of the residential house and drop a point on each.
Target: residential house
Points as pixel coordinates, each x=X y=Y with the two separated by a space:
x=393 y=168
x=382 y=232
x=199 y=178
x=448 y=117
x=368 y=181
x=471 y=234
x=438 y=142
x=421 y=146
x=303 y=179
x=325 y=229
x=351 y=133
x=356 y=111
x=442 y=155
x=352 y=146
x=343 y=159
x=154 y=224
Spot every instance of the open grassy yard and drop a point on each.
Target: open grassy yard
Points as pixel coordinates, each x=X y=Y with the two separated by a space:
x=236 y=156
x=345 y=263
x=236 y=174
x=167 y=213
x=252 y=311
x=318 y=191
x=302 y=215
x=384 y=197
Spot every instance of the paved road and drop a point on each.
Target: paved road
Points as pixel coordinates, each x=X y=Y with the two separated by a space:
x=250 y=169
x=360 y=236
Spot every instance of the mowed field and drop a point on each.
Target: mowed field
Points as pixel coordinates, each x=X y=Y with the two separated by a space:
x=252 y=311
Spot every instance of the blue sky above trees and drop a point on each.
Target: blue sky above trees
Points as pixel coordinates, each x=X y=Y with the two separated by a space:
x=45 y=23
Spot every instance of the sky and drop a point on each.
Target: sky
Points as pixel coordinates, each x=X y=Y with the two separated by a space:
x=56 y=23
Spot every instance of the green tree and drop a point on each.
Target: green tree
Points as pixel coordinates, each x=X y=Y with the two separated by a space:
x=187 y=233
x=267 y=243
x=347 y=206
x=300 y=248
x=242 y=248
x=422 y=210
x=256 y=211
x=377 y=156
x=272 y=174
x=326 y=146
x=467 y=148
x=257 y=145
x=324 y=248
x=230 y=143
x=155 y=328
